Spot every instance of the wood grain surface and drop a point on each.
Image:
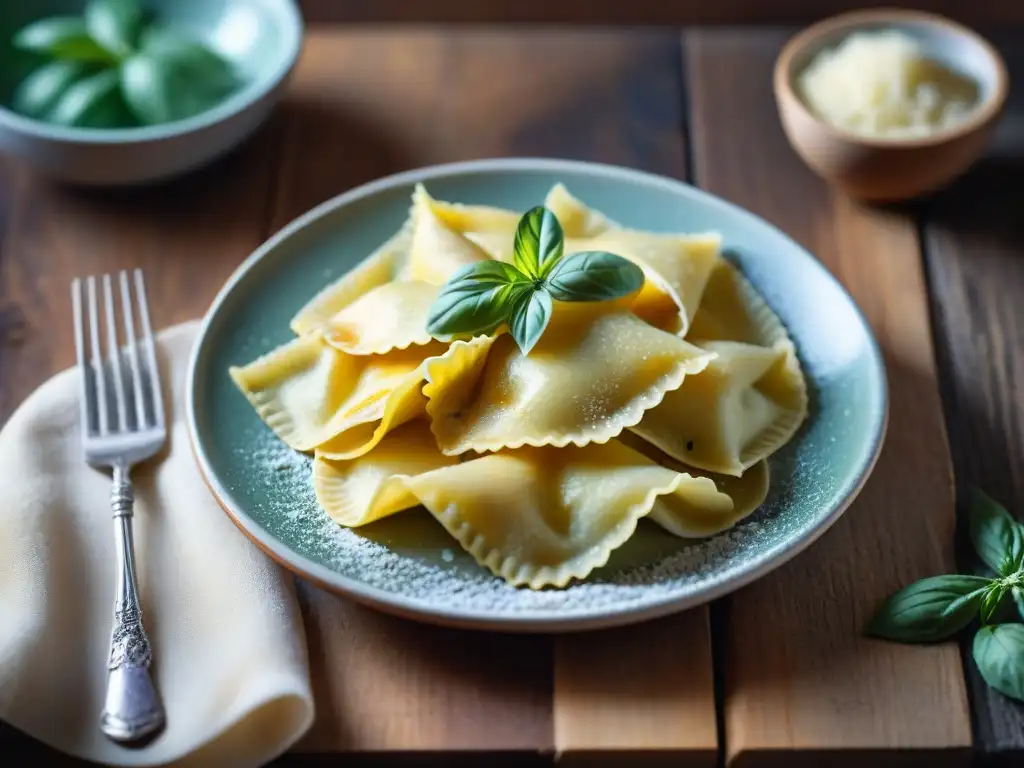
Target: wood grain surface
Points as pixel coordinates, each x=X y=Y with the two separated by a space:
x=637 y=695
x=974 y=240
x=812 y=682
x=600 y=12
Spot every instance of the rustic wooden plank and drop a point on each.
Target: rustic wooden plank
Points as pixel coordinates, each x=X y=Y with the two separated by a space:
x=677 y=12
x=974 y=241
x=365 y=104
x=384 y=684
x=799 y=674
x=625 y=695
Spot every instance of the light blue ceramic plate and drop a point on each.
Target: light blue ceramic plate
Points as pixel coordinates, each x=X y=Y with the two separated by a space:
x=407 y=564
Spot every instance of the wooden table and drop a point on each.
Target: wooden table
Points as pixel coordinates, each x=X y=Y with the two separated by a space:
x=775 y=674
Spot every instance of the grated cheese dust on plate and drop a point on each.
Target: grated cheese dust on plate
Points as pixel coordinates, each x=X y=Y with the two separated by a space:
x=292 y=501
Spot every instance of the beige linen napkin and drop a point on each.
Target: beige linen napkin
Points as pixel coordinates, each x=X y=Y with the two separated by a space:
x=228 y=644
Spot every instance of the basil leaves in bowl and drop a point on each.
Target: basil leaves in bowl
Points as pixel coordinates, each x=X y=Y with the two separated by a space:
x=116 y=92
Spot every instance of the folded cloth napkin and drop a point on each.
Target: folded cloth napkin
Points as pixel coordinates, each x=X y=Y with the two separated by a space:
x=229 y=656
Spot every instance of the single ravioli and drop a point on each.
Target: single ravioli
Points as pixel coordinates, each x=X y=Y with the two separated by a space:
x=372 y=486
x=390 y=316
x=676 y=266
x=746 y=404
x=477 y=219
x=315 y=396
x=690 y=512
x=425 y=249
x=436 y=251
x=378 y=268
x=542 y=516
x=577 y=220
x=731 y=309
x=594 y=371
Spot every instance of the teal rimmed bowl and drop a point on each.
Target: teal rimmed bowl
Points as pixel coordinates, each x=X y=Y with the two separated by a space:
x=262 y=38
x=407 y=564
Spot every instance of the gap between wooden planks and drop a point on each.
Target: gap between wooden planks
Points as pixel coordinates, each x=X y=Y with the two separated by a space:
x=800 y=678
x=367 y=104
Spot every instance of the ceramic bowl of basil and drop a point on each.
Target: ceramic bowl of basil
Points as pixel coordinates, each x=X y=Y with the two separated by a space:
x=126 y=92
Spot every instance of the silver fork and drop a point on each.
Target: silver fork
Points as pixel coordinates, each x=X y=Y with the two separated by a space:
x=122 y=424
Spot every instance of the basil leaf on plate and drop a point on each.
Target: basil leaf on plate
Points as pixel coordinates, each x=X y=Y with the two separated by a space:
x=38 y=92
x=63 y=38
x=92 y=102
x=476 y=299
x=173 y=78
x=489 y=271
x=594 y=276
x=999 y=654
x=997 y=537
x=930 y=609
x=529 y=318
x=114 y=24
x=538 y=243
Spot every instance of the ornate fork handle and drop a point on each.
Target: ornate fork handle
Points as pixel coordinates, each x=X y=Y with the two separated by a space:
x=132 y=709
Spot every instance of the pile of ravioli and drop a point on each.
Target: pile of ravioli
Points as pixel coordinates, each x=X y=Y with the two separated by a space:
x=664 y=404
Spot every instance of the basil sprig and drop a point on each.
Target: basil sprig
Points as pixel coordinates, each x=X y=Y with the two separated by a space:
x=482 y=296
x=114 y=68
x=937 y=607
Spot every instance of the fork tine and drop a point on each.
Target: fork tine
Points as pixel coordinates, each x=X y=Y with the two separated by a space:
x=133 y=350
x=85 y=401
x=147 y=335
x=100 y=376
x=114 y=354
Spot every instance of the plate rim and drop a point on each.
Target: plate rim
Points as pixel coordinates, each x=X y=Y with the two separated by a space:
x=545 y=620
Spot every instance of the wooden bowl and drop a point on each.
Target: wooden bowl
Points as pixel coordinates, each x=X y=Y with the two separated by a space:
x=891 y=169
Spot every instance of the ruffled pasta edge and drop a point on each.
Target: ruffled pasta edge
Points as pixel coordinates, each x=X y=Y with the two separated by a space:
x=521 y=574
x=475 y=351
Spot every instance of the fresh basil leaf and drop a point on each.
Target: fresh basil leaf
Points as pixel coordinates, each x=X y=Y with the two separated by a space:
x=189 y=55
x=63 y=37
x=475 y=300
x=92 y=102
x=990 y=603
x=173 y=78
x=538 y=243
x=489 y=271
x=929 y=609
x=529 y=318
x=999 y=654
x=997 y=537
x=114 y=24
x=594 y=276
x=39 y=91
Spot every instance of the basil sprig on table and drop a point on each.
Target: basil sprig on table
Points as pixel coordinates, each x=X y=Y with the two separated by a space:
x=937 y=607
x=114 y=68
x=482 y=296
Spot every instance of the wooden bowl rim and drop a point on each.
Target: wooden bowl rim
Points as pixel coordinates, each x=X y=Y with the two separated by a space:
x=982 y=114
